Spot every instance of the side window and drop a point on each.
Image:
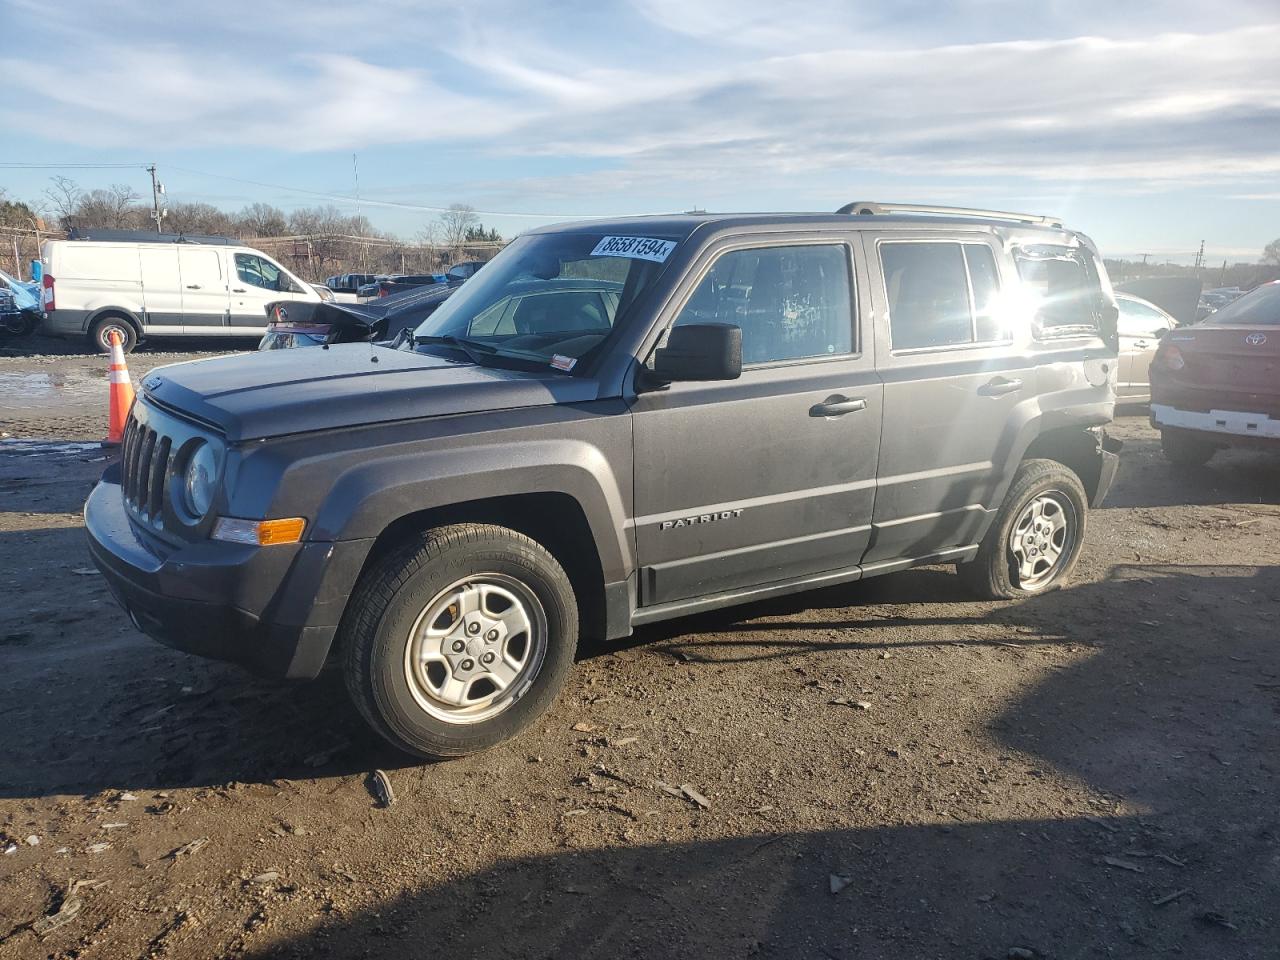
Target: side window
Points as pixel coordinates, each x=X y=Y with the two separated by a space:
x=928 y=294
x=1139 y=320
x=791 y=302
x=988 y=322
x=257 y=272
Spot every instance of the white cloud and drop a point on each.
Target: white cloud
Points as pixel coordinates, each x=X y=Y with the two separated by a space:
x=740 y=89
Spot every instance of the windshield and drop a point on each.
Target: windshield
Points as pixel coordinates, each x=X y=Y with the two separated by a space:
x=1259 y=306
x=549 y=298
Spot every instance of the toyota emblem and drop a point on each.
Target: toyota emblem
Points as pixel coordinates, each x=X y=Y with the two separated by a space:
x=1256 y=339
x=283 y=314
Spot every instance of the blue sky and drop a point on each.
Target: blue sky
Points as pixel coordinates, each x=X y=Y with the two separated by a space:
x=1149 y=126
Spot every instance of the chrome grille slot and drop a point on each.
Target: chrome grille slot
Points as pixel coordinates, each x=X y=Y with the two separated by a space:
x=156 y=484
x=142 y=473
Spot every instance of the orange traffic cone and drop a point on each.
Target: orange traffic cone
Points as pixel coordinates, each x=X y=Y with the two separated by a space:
x=121 y=394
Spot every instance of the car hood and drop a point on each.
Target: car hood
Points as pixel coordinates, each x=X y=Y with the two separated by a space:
x=278 y=392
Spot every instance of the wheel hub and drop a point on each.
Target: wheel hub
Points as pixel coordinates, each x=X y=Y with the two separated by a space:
x=475 y=648
x=1041 y=539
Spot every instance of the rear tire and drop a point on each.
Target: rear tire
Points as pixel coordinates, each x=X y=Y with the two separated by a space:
x=101 y=330
x=1186 y=449
x=1034 y=542
x=459 y=640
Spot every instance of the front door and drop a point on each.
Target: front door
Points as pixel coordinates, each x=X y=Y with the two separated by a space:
x=204 y=289
x=770 y=477
x=958 y=375
x=255 y=282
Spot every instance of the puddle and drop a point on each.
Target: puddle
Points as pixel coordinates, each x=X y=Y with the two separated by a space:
x=24 y=392
x=49 y=448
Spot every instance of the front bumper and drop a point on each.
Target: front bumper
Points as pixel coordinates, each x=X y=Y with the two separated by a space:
x=274 y=610
x=1229 y=426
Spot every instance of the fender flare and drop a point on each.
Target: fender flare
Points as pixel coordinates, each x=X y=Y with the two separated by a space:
x=368 y=497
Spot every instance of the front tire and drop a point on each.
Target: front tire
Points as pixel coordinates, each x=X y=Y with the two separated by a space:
x=1035 y=540
x=1185 y=449
x=460 y=639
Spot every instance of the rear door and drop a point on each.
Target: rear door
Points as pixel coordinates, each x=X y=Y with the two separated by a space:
x=770 y=477
x=161 y=287
x=956 y=368
x=204 y=288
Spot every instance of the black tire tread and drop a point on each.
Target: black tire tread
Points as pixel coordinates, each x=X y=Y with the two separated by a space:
x=374 y=594
x=983 y=574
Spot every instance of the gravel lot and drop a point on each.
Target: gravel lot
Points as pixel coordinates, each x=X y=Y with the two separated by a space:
x=1093 y=773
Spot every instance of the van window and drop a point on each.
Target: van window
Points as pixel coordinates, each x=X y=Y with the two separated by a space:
x=258 y=272
x=791 y=302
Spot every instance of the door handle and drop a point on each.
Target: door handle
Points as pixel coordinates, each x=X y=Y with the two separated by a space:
x=238 y=290
x=1142 y=344
x=837 y=406
x=193 y=286
x=1000 y=386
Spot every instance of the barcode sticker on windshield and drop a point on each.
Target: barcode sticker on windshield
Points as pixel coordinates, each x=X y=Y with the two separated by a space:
x=561 y=362
x=637 y=248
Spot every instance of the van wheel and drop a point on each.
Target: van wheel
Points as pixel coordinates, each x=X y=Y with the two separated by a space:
x=1036 y=537
x=100 y=334
x=459 y=640
x=1185 y=449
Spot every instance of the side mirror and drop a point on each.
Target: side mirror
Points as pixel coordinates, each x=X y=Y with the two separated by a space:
x=700 y=351
x=1162 y=333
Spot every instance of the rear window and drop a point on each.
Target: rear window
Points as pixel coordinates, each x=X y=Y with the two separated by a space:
x=1260 y=306
x=1064 y=286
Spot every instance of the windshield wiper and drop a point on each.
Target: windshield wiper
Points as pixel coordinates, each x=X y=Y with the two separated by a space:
x=473 y=349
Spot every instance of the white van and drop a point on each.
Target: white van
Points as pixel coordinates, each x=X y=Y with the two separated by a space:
x=165 y=287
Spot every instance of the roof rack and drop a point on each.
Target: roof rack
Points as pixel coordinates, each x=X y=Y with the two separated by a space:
x=147 y=236
x=871 y=207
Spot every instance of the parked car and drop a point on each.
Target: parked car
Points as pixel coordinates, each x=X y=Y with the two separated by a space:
x=1217 y=384
x=349 y=282
x=162 y=285
x=384 y=319
x=1141 y=325
x=20 y=311
x=385 y=286
x=465 y=270
x=12 y=321
x=616 y=423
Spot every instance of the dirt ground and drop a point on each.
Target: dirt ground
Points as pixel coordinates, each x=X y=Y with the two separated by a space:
x=1093 y=773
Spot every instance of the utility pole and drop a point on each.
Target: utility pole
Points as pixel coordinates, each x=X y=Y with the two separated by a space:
x=1200 y=258
x=1144 y=258
x=157 y=191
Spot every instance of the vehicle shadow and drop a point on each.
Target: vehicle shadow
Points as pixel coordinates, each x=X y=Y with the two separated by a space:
x=1171 y=723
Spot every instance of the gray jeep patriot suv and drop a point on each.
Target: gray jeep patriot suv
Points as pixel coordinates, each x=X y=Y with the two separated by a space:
x=615 y=423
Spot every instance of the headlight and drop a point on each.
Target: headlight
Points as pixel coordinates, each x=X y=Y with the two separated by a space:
x=200 y=481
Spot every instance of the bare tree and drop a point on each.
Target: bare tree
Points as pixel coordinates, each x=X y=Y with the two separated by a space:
x=115 y=208
x=454 y=224
x=262 y=220
x=1271 y=252
x=64 y=196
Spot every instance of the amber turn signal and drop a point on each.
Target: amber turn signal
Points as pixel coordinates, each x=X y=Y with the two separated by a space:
x=262 y=533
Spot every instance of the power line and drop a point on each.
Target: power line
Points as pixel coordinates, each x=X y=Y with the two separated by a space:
x=72 y=166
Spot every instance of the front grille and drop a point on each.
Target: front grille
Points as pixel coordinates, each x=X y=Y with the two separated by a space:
x=145 y=464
